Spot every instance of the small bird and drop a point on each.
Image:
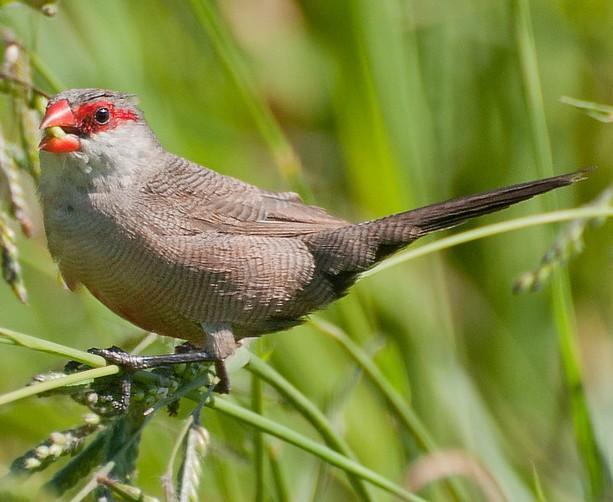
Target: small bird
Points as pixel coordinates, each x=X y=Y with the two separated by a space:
x=183 y=251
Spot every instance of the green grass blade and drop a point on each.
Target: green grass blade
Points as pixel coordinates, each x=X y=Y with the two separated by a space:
x=31 y=342
x=56 y=383
x=326 y=454
x=598 y=111
x=395 y=400
x=45 y=72
x=281 y=486
x=526 y=46
x=167 y=478
x=401 y=408
x=233 y=62
x=598 y=482
x=258 y=437
x=489 y=230
x=310 y=412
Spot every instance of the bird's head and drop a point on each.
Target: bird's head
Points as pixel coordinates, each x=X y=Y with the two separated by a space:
x=104 y=134
x=87 y=117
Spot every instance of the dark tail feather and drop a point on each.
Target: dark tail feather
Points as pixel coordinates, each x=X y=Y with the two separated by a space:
x=455 y=211
x=341 y=254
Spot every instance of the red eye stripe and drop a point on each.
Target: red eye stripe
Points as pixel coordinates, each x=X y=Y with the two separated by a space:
x=85 y=115
x=124 y=114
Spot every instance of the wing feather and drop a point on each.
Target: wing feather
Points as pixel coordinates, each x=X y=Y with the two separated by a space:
x=198 y=200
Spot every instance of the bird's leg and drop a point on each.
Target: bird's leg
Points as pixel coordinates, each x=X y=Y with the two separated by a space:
x=219 y=345
x=125 y=380
x=220 y=342
x=132 y=362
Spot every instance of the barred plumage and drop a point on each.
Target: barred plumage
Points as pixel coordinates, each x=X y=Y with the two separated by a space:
x=173 y=246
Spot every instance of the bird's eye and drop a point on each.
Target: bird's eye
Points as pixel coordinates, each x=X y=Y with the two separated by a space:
x=102 y=115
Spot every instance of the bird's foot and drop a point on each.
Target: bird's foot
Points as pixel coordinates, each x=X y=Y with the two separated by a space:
x=223 y=386
x=119 y=402
x=185 y=353
x=113 y=395
x=115 y=355
x=118 y=356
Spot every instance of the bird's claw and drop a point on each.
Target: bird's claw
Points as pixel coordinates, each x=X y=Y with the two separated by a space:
x=123 y=403
x=118 y=356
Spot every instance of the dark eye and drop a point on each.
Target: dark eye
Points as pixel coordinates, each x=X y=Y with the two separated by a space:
x=102 y=115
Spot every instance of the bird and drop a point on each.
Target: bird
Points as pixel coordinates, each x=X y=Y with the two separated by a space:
x=186 y=252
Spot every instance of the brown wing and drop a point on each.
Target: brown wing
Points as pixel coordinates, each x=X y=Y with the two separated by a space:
x=201 y=200
x=264 y=213
x=221 y=251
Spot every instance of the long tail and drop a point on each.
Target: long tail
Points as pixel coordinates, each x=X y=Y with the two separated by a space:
x=455 y=211
x=345 y=252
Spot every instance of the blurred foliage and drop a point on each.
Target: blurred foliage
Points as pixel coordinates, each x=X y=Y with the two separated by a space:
x=388 y=105
x=567 y=244
x=602 y=113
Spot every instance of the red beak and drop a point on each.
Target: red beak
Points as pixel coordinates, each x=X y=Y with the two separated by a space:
x=59 y=114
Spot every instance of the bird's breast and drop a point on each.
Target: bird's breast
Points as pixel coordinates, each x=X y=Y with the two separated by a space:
x=100 y=249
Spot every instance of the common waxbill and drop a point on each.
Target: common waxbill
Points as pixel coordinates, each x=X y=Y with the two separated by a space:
x=183 y=251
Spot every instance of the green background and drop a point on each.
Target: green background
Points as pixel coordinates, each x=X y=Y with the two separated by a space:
x=389 y=105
